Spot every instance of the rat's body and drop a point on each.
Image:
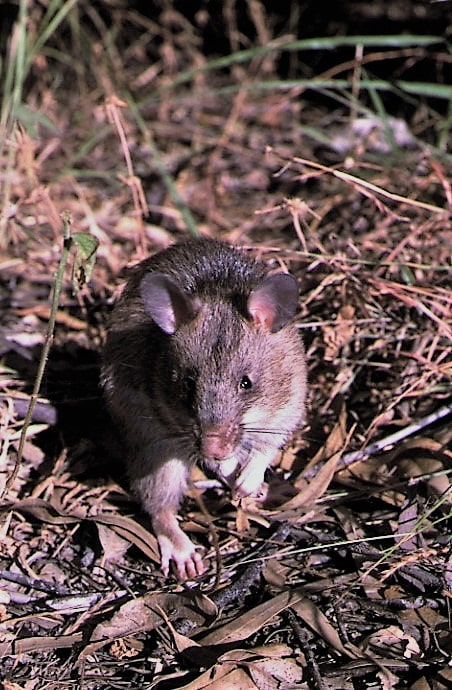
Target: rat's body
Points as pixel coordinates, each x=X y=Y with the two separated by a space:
x=201 y=364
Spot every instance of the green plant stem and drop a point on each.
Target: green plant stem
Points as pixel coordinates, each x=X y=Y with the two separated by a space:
x=166 y=177
x=67 y=242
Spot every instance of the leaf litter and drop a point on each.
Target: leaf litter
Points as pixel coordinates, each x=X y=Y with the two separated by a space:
x=340 y=575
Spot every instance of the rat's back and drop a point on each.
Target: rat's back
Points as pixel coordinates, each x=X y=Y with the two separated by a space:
x=203 y=266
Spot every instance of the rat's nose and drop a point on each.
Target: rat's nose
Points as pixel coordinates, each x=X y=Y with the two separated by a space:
x=219 y=441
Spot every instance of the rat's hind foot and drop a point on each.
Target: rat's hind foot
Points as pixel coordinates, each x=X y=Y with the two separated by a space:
x=177 y=548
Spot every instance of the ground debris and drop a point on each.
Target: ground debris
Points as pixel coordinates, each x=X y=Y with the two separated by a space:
x=340 y=575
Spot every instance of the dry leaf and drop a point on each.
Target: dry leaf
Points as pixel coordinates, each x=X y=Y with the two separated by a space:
x=337 y=336
x=388 y=680
x=391 y=637
x=9 y=685
x=313 y=489
x=114 y=546
x=276 y=669
x=242 y=523
x=252 y=621
x=335 y=442
x=125 y=527
x=126 y=648
x=318 y=622
x=142 y=614
x=221 y=678
x=237 y=679
x=439 y=482
x=407 y=533
x=325 y=461
x=133 y=532
x=269 y=674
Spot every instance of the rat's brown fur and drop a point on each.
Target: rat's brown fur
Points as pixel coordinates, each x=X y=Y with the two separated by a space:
x=202 y=364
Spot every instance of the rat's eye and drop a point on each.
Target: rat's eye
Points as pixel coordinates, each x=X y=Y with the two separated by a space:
x=245 y=383
x=189 y=390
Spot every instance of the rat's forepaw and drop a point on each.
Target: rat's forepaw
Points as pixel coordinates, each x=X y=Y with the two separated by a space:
x=182 y=552
x=249 y=481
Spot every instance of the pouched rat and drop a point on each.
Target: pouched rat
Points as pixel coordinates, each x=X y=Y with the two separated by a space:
x=201 y=364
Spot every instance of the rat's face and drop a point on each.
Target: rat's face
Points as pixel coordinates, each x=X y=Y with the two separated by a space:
x=237 y=382
x=215 y=372
x=234 y=369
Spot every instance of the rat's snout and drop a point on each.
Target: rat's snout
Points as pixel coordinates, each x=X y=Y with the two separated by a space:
x=219 y=441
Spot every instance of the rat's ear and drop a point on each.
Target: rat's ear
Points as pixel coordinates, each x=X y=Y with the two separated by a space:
x=166 y=303
x=274 y=302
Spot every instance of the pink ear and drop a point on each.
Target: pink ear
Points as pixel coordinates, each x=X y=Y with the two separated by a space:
x=274 y=302
x=166 y=303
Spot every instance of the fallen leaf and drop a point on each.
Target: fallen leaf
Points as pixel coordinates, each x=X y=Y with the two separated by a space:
x=391 y=637
x=250 y=622
x=340 y=334
x=313 y=489
x=319 y=623
x=113 y=545
x=335 y=442
x=269 y=674
x=125 y=527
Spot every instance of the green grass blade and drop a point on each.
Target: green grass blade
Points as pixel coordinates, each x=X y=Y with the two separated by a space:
x=329 y=43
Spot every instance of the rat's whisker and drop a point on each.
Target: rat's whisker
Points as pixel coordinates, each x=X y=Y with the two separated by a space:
x=263 y=430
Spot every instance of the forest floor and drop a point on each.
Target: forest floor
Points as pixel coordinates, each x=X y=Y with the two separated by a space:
x=346 y=585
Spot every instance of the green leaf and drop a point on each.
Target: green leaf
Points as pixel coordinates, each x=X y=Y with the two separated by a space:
x=30 y=119
x=85 y=258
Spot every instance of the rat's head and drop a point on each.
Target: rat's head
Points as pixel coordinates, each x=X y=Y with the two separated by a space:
x=234 y=365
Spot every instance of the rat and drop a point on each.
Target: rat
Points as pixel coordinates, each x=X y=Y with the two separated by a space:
x=202 y=364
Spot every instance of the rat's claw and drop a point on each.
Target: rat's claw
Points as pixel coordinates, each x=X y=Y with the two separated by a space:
x=190 y=568
x=181 y=550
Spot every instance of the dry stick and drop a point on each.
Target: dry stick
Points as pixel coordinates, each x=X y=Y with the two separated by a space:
x=67 y=242
x=34 y=583
x=360 y=183
x=216 y=545
x=349 y=458
x=237 y=591
x=241 y=587
x=305 y=642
